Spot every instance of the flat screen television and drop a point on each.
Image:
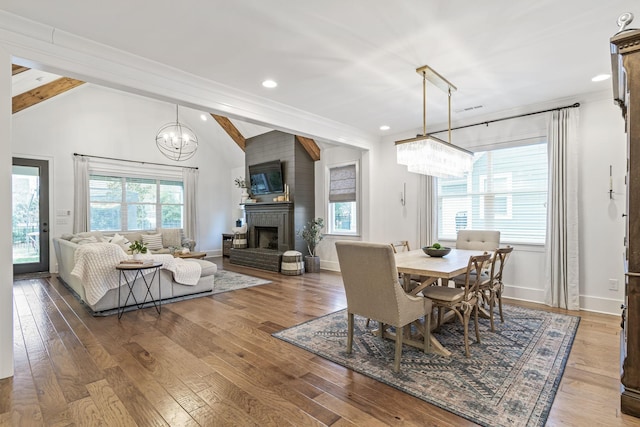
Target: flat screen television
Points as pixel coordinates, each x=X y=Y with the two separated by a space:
x=266 y=178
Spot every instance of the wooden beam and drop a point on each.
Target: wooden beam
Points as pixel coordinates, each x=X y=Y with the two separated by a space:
x=44 y=92
x=310 y=146
x=231 y=130
x=17 y=69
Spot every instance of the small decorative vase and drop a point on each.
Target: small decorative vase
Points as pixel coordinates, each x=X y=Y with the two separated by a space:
x=244 y=196
x=136 y=256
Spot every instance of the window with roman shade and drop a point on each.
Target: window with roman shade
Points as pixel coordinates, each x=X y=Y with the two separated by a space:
x=343 y=199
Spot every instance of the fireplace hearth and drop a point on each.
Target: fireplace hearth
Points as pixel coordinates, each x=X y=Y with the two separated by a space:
x=270 y=234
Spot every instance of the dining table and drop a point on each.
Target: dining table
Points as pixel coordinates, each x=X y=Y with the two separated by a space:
x=431 y=269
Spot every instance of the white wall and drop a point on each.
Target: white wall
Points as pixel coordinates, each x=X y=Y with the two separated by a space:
x=6 y=258
x=332 y=156
x=103 y=122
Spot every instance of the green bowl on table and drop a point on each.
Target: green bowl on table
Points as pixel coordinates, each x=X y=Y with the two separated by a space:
x=436 y=252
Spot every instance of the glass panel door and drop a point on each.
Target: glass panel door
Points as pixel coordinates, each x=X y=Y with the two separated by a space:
x=30 y=221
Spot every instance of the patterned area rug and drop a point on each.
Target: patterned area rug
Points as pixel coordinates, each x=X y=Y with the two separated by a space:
x=230 y=281
x=510 y=379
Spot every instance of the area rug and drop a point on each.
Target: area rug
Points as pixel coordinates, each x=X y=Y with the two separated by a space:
x=225 y=281
x=510 y=379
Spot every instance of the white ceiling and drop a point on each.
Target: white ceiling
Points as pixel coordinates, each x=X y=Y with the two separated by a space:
x=354 y=61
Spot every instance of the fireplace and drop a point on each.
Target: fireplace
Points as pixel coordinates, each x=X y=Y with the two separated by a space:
x=266 y=238
x=270 y=225
x=270 y=234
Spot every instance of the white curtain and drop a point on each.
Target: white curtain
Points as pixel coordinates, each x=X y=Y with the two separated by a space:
x=427 y=208
x=562 y=278
x=190 y=182
x=80 y=194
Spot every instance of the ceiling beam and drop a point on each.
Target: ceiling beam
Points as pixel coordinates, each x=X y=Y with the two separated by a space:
x=310 y=146
x=17 y=69
x=231 y=130
x=44 y=92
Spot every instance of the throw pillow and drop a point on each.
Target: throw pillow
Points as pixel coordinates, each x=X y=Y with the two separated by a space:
x=84 y=240
x=121 y=241
x=171 y=237
x=153 y=242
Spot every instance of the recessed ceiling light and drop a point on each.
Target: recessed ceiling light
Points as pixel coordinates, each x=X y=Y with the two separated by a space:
x=384 y=127
x=269 y=84
x=600 y=77
x=203 y=117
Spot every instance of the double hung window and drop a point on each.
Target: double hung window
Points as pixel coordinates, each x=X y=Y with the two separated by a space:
x=118 y=203
x=506 y=191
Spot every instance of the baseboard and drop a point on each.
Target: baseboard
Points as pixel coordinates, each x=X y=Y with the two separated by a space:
x=330 y=265
x=524 y=294
x=600 y=305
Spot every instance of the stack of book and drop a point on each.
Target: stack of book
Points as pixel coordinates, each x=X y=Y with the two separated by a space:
x=140 y=262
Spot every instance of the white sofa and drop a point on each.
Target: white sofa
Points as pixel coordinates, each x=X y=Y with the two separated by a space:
x=170 y=289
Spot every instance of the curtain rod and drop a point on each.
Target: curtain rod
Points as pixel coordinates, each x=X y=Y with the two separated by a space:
x=134 y=161
x=576 y=105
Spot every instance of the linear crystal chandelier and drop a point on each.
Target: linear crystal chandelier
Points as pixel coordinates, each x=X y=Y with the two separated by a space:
x=426 y=154
x=177 y=141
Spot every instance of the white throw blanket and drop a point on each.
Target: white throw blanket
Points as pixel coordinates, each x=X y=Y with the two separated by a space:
x=95 y=265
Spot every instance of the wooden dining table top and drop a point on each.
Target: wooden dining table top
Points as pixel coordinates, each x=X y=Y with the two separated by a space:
x=446 y=267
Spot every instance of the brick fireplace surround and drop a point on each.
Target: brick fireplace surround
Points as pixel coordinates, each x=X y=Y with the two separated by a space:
x=275 y=218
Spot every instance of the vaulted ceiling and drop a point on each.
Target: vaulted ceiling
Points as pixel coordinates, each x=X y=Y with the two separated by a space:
x=30 y=87
x=354 y=62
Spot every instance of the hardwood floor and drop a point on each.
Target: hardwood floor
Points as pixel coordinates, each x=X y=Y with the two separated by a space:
x=212 y=361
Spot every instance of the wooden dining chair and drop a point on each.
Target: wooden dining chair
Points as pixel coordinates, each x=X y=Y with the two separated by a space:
x=495 y=287
x=370 y=279
x=491 y=285
x=400 y=246
x=462 y=301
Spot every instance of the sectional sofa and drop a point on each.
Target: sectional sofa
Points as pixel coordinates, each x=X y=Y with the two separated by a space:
x=67 y=246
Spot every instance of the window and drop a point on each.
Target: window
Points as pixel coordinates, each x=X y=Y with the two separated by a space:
x=125 y=203
x=506 y=191
x=343 y=200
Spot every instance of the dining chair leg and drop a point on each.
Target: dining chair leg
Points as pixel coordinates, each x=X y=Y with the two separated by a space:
x=427 y=333
x=500 y=305
x=396 y=360
x=492 y=302
x=349 y=332
x=475 y=315
x=467 y=315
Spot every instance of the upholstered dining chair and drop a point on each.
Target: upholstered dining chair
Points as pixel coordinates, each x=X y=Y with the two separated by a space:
x=372 y=288
x=480 y=240
x=462 y=301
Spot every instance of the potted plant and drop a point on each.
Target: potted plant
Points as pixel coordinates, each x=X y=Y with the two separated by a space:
x=137 y=248
x=312 y=235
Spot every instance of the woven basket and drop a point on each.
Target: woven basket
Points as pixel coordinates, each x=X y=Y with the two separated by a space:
x=292 y=264
x=240 y=240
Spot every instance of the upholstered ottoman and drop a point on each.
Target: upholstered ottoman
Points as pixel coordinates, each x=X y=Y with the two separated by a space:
x=292 y=264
